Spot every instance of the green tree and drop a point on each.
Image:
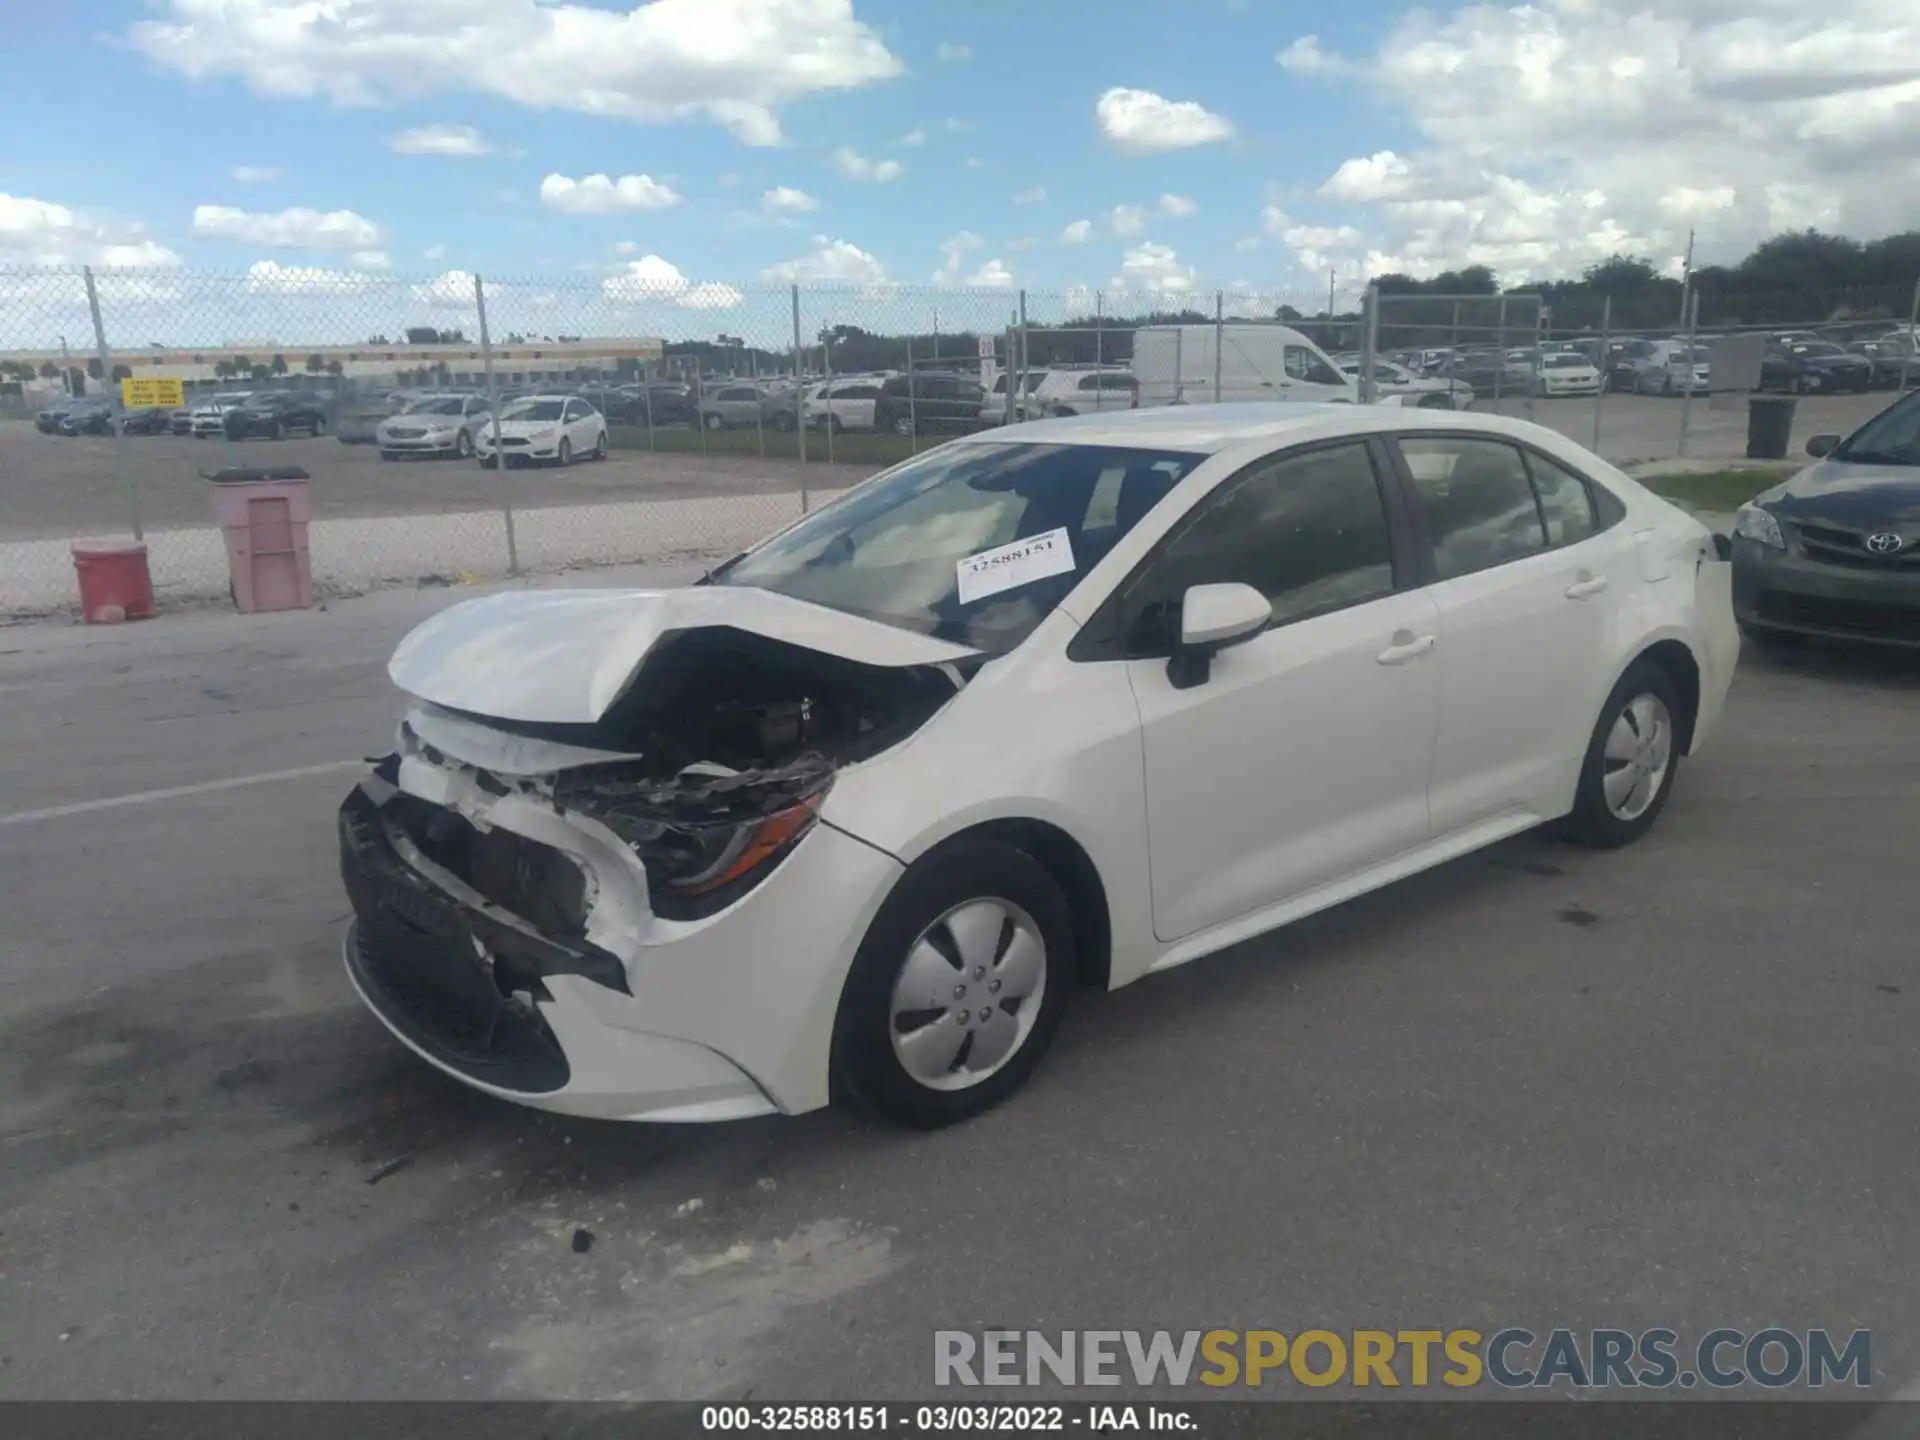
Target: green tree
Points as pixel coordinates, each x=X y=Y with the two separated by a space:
x=315 y=364
x=261 y=373
x=122 y=372
x=49 y=370
x=223 y=369
x=334 y=367
x=94 y=370
x=279 y=365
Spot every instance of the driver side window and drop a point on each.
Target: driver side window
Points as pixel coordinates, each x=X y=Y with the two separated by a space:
x=1303 y=364
x=1309 y=531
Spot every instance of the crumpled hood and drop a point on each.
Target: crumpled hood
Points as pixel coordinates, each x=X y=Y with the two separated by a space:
x=565 y=656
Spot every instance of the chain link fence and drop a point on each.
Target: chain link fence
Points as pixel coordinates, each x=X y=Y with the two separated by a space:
x=432 y=414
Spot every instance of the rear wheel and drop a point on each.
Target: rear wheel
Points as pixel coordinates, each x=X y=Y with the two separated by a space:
x=902 y=425
x=1631 y=761
x=600 y=447
x=712 y=421
x=463 y=447
x=958 y=987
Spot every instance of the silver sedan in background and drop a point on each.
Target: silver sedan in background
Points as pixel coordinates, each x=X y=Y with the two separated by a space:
x=442 y=425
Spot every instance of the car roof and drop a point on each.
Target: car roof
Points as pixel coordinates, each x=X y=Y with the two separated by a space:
x=1210 y=428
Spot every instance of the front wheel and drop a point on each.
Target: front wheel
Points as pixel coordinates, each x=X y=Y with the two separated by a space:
x=600 y=447
x=902 y=425
x=1631 y=761
x=463 y=447
x=564 y=455
x=712 y=421
x=389 y=456
x=958 y=987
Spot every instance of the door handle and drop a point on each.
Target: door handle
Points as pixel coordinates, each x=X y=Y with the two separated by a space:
x=1405 y=649
x=1585 y=589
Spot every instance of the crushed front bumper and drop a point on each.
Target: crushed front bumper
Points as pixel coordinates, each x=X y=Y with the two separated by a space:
x=480 y=994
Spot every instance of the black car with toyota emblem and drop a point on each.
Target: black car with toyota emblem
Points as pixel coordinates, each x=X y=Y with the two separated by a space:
x=1835 y=551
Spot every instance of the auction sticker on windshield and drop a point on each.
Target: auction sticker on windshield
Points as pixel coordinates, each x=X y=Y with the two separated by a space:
x=1005 y=567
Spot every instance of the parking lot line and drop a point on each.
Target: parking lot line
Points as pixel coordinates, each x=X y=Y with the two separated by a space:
x=175 y=792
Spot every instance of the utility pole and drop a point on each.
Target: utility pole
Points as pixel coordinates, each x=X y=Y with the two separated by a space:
x=1333 y=277
x=1686 y=277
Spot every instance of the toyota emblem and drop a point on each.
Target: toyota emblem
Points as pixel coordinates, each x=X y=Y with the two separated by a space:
x=1884 y=544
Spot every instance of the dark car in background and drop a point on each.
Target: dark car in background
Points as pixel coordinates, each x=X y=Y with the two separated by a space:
x=1895 y=360
x=1835 y=551
x=1621 y=364
x=273 y=415
x=156 y=420
x=661 y=402
x=47 y=421
x=928 y=403
x=87 y=417
x=1814 y=367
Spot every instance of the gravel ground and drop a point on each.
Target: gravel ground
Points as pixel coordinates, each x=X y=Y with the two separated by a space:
x=1670 y=1085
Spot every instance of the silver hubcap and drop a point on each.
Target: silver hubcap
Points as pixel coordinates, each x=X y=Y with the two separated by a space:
x=1638 y=753
x=968 y=994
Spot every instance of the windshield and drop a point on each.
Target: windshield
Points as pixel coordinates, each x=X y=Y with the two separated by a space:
x=893 y=549
x=1817 y=347
x=533 y=410
x=1565 y=361
x=444 y=405
x=1891 y=438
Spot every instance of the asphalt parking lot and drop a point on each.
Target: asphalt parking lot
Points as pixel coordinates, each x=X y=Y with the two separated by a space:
x=55 y=488
x=1671 y=1085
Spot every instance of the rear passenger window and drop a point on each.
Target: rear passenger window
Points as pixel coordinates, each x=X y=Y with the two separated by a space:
x=1565 y=504
x=1477 y=500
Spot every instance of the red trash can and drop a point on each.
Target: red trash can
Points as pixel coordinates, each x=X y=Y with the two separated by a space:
x=115 y=584
x=263 y=514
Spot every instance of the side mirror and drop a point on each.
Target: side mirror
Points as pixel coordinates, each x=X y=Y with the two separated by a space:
x=1821 y=446
x=1213 y=617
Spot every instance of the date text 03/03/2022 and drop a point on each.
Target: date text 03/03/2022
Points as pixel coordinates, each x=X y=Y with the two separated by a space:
x=943 y=1419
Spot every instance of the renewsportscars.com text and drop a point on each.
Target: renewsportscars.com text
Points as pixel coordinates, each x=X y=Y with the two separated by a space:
x=1513 y=1358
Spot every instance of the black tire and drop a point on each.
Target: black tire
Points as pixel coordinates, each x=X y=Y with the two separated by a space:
x=389 y=456
x=834 y=425
x=1591 y=822
x=600 y=447
x=563 y=456
x=712 y=421
x=463 y=447
x=866 y=1069
x=783 y=420
x=902 y=425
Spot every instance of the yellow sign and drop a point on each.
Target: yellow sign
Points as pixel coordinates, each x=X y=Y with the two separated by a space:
x=146 y=394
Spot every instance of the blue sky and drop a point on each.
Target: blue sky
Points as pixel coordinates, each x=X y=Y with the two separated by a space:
x=1196 y=144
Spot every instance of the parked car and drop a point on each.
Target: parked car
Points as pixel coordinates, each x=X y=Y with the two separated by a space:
x=1394 y=380
x=273 y=415
x=928 y=402
x=557 y=428
x=209 y=417
x=1076 y=391
x=1179 y=365
x=1482 y=371
x=667 y=402
x=442 y=425
x=357 y=419
x=847 y=404
x=1814 y=367
x=91 y=416
x=1669 y=368
x=47 y=420
x=1563 y=373
x=1621 y=368
x=1835 y=551
x=993 y=410
x=999 y=720
x=151 y=421
x=747 y=404
x=1895 y=360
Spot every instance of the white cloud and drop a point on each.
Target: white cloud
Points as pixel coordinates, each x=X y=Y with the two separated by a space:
x=711 y=296
x=40 y=232
x=371 y=259
x=651 y=278
x=296 y=229
x=1141 y=121
x=254 y=174
x=953 y=250
x=602 y=195
x=830 y=261
x=450 y=290
x=1553 y=135
x=434 y=252
x=856 y=166
x=1019 y=243
x=913 y=139
x=1032 y=195
x=269 y=277
x=785 y=200
x=671 y=59
x=1126 y=220
x=991 y=276
x=1078 y=233
x=1246 y=243
x=949 y=52
x=1155 y=268
x=136 y=255
x=461 y=142
x=1275 y=222
x=1305 y=57
x=1175 y=207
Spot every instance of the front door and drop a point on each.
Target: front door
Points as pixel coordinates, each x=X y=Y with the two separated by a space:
x=1525 y=575
x=1304 y=756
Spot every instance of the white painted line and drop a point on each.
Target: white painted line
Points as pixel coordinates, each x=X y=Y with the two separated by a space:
x=175 y=792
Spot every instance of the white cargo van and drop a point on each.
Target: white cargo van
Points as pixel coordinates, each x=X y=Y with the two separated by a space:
x=1175 y=365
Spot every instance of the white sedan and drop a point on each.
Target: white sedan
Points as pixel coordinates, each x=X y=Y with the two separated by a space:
x=1393 y=381
x=544 y=428
x=1032 y=712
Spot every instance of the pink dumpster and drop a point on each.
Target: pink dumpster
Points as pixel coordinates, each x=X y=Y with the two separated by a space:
x=114 y=582
x=263 y=514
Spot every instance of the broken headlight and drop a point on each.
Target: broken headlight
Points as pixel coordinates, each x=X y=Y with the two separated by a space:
x=707 y=835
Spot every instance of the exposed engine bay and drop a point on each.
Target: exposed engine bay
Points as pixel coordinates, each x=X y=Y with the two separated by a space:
x=709 y=768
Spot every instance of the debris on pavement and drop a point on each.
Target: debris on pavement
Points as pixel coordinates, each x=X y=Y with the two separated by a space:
x=393 y=1166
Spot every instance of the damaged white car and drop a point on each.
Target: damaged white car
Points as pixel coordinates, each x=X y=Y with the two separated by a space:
x=856 y=815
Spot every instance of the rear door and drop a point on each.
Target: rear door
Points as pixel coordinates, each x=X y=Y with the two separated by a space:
x=854 y=405
x=1526 y=566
